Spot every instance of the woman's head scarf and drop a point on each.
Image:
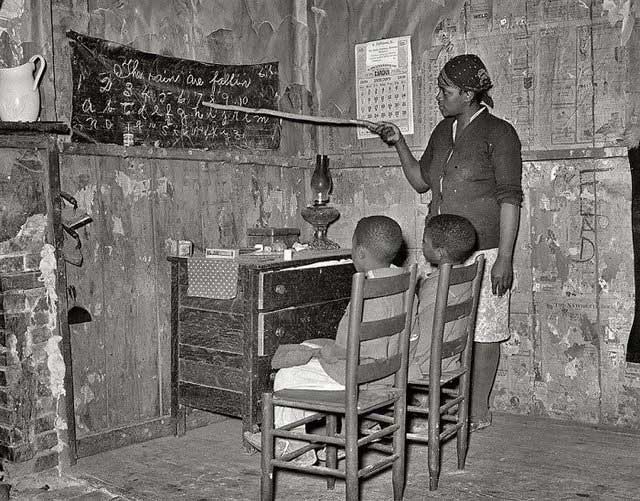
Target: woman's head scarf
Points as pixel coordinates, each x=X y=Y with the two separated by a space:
x=467 y=72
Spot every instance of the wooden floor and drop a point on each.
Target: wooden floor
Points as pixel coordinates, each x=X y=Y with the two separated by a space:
x=518 y=458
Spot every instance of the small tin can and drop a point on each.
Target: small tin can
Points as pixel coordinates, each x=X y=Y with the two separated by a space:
x=171 y=247
x=185 y=248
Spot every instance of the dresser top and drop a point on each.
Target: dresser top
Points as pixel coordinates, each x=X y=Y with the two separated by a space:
x=276 y=261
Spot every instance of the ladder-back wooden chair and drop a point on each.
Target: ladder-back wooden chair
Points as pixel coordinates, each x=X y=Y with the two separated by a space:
x=355 y=402
x=448 y=391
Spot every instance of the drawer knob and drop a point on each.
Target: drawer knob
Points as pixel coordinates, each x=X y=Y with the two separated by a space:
x=279 y=332
x=281 y=289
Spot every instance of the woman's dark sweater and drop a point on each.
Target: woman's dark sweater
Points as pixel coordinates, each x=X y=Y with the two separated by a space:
x=474 y=176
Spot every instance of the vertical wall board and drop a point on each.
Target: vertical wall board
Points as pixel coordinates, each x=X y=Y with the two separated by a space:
x=161 y=288
x=615 y=279
x=295 y=199
x=222 y=216
x=143 y=331
x=117 y=252
x=79 y=177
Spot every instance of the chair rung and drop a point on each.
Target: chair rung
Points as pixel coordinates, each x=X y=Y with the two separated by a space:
x=417 y=437
x=299 y=452
x=450 y=403
x=300 y=422
x=378 y=434
x=316 y=470
x=449 y=418
x=380 y=418
x=308 y=437
x=372 y=468
x=449 y=432
x=387 y=449
x=450 y=391
x=376 y=405
x=414 y=409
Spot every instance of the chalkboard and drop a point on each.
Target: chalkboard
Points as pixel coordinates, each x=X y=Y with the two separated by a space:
x=126 y=96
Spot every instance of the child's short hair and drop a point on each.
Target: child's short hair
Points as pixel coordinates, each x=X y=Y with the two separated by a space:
x=455 y=234
x=381 y=235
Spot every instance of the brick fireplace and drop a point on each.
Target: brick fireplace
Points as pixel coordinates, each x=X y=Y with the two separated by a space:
x=32 y=409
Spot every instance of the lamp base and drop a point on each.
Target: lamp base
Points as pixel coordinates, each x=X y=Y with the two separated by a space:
x=323 y=244
x=320 y=216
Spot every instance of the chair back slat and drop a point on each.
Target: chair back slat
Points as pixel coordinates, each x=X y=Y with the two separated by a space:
x=457 y=311
x=463 y=274
x=378 y=369
x=454 y=346
x=386 y=286
x=382 y=328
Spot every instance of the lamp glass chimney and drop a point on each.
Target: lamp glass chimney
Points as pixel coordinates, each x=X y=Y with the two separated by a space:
x=321 y=182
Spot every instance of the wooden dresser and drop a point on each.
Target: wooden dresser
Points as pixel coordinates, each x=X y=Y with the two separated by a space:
x=221 y=350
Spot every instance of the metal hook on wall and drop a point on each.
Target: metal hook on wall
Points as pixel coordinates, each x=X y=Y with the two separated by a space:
x=78 y=246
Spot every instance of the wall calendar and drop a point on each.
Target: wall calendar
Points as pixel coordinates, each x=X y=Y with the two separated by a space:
x=383 y=83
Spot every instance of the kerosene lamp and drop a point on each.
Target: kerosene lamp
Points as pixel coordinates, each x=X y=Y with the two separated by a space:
x=319 y=214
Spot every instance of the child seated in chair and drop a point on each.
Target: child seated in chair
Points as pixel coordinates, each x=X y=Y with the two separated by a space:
x=320 y=364
x=447 y=238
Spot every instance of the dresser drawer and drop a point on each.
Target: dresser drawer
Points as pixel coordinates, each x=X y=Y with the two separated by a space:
x=288 y=287
x=295 y=324
x=209 y=329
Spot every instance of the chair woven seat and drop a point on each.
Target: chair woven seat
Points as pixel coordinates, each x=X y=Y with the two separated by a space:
x=334 y=401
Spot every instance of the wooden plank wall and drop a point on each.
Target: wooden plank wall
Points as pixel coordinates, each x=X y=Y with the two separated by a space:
x=121 y=358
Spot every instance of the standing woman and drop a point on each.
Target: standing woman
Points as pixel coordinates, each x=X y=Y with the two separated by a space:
x=473 y=167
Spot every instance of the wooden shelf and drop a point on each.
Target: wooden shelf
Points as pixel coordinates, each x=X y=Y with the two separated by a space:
x=34 y=128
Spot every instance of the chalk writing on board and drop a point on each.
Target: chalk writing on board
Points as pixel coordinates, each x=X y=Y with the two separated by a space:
x=125 y=96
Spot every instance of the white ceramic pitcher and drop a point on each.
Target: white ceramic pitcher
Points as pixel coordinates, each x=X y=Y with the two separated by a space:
x=19 y=95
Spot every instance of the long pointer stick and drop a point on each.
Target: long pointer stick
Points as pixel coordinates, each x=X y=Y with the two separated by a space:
x=291 y=116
